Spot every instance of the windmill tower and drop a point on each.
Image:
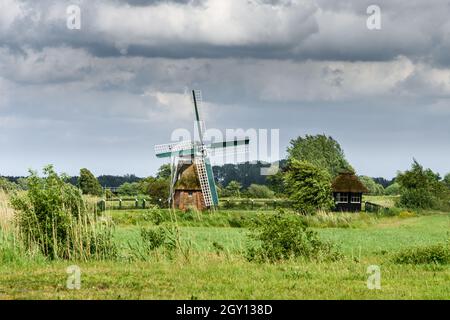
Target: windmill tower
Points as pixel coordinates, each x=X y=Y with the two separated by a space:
x=192 y=181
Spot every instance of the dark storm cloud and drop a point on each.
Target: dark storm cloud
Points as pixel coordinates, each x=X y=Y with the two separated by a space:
x=321 y=30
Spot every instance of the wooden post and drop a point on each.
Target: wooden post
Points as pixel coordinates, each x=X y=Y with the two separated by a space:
x=102 y=205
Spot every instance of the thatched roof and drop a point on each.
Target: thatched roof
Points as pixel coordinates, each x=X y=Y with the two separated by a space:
x=188 y=178
x=348 y=182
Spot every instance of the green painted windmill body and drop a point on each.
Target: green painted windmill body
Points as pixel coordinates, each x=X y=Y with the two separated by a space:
x=197 y=153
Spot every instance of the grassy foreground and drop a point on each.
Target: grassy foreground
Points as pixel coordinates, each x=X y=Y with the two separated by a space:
x=215 y=277
x=208 y=273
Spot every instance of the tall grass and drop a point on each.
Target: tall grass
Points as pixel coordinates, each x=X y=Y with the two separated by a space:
x=53 y=218
x=6 y=212
x=326 y=219
x=83 y=236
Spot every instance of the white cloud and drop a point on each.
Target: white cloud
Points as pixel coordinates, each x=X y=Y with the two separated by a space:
x=10 y=10
x=216 y=22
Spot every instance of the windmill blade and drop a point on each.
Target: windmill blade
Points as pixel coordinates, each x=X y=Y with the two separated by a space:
x=230 y=143
x=182 y=148
x=233 y=150
x=197 y=99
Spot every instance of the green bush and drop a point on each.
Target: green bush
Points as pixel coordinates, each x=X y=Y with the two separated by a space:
x=260 y=192
x=284 y=236
x=392 y=190
x=154 y=238
x=434 y=254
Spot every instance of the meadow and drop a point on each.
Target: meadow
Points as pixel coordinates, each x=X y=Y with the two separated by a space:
x=213 y=264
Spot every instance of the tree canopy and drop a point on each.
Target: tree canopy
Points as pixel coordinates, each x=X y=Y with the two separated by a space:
x=88 y=183
x=393 y=189
x=321 y=151
x=308 y=186
x=374 y=188
x=421 y=188
x=447 y=180
x=157 y=189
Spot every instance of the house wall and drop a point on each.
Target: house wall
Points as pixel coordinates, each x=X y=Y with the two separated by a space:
x=348 y=206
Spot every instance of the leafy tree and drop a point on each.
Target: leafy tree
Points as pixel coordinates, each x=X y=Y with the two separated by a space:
x=88 y=183
x=163 y=172
x=232 y=189
x=421 y=188
x=260 y=191
x=244 y=173
x=373 y=187
x=393 y=189
x=157 y=189
x=276 y=183
x=129 y=189
x=321 y=151
x=447 y=180
x=117 y=181
x=384 y=182
x=308 y=186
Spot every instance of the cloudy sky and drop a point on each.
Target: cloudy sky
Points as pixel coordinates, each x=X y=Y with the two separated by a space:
x=102 y=96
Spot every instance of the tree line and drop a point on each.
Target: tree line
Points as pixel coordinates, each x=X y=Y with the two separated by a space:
x=305 y=176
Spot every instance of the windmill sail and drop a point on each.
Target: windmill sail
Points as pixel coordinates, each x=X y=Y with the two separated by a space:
x=183 y=148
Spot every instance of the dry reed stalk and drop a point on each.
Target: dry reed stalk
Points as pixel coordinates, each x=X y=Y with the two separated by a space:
x=6 y=213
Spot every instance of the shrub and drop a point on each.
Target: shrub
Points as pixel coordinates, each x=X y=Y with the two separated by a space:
x=392 y=190
x=53 y=217
x=7 y=186
x=153 y=238
x=158 y=237
x=434 y=254
x=260 y=191
x=406 y=214
x=284 y=236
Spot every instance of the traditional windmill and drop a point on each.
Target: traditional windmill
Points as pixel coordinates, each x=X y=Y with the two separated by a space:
x=192 y=180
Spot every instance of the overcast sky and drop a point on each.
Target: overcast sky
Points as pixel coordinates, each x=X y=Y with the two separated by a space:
x=102 y=96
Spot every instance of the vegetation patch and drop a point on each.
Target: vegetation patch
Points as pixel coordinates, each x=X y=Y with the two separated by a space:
x=285 y=236
x=433 y=254
x=53 y=218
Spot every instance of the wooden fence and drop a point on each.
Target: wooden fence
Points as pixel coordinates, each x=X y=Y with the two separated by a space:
x=227 y=204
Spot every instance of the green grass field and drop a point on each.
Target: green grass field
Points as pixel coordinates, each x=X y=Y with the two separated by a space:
x=208 y=273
